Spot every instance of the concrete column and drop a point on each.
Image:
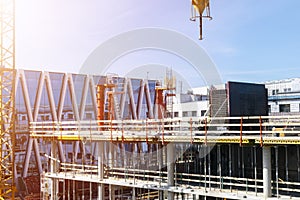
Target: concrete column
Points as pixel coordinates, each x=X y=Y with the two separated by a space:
x=53 y=170
x=194 y=197
x=111 y=162
x=170 y=167
x=133 y=194
x=276 y=167
x=111 y=191
x=100 y=169
x=160 y=166
x=111 y=156
x=267 y=172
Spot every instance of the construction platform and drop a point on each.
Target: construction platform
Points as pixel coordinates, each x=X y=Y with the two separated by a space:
x=141 y=149
x=266 y=131
x=176 y=158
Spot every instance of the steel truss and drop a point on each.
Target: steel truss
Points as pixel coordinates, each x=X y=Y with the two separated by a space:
x=7 y=99
x=78 y=109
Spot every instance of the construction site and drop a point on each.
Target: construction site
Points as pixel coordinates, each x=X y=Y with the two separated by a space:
x=76 y=136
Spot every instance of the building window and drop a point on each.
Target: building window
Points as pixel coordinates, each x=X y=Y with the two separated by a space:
x=176 y=114
x=203 y=112
x=185 y=114
x=284 y=108
x=194 y=113
x=274 y=92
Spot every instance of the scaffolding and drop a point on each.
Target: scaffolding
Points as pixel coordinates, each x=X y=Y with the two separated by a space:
x=78 y=157
x=234 y=168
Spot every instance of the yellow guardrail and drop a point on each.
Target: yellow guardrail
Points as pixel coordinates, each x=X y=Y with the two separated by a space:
x=220 y=130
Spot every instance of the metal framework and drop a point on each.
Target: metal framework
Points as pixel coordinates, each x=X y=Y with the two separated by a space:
x=176 y=130
x=7 y=99
x=77 y=146
x=56 y=107
x=137 y=171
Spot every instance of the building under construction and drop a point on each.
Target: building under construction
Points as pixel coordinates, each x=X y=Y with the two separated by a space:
x=72 y=136
x=108 y=137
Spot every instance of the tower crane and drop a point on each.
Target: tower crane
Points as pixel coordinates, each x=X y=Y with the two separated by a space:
x=7 y=99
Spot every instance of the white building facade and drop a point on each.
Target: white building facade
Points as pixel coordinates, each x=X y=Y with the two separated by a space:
x=284 y=96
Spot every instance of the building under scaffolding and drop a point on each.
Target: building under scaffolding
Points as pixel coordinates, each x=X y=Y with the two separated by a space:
x=108 y=137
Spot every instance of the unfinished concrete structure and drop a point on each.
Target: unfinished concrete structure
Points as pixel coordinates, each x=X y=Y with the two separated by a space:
x=134 y=152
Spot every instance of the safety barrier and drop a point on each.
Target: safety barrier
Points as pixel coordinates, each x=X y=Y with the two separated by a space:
x=258 y=128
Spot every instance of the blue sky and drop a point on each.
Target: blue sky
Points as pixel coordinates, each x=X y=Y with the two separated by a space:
x=249 y=40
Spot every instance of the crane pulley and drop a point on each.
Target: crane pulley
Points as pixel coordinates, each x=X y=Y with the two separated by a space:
x=200 y=9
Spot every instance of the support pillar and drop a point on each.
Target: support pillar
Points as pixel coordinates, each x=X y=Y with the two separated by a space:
x=100 y=170
x=286 y=164
x=267 y=172
x=276 y=165
x=170 y=167
x=53 y=170
x=219 y=160
x=111 y=191
x=298 y=163
x=230 y=164
x=160 y=166
x=255 y=169
x=133 y=194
